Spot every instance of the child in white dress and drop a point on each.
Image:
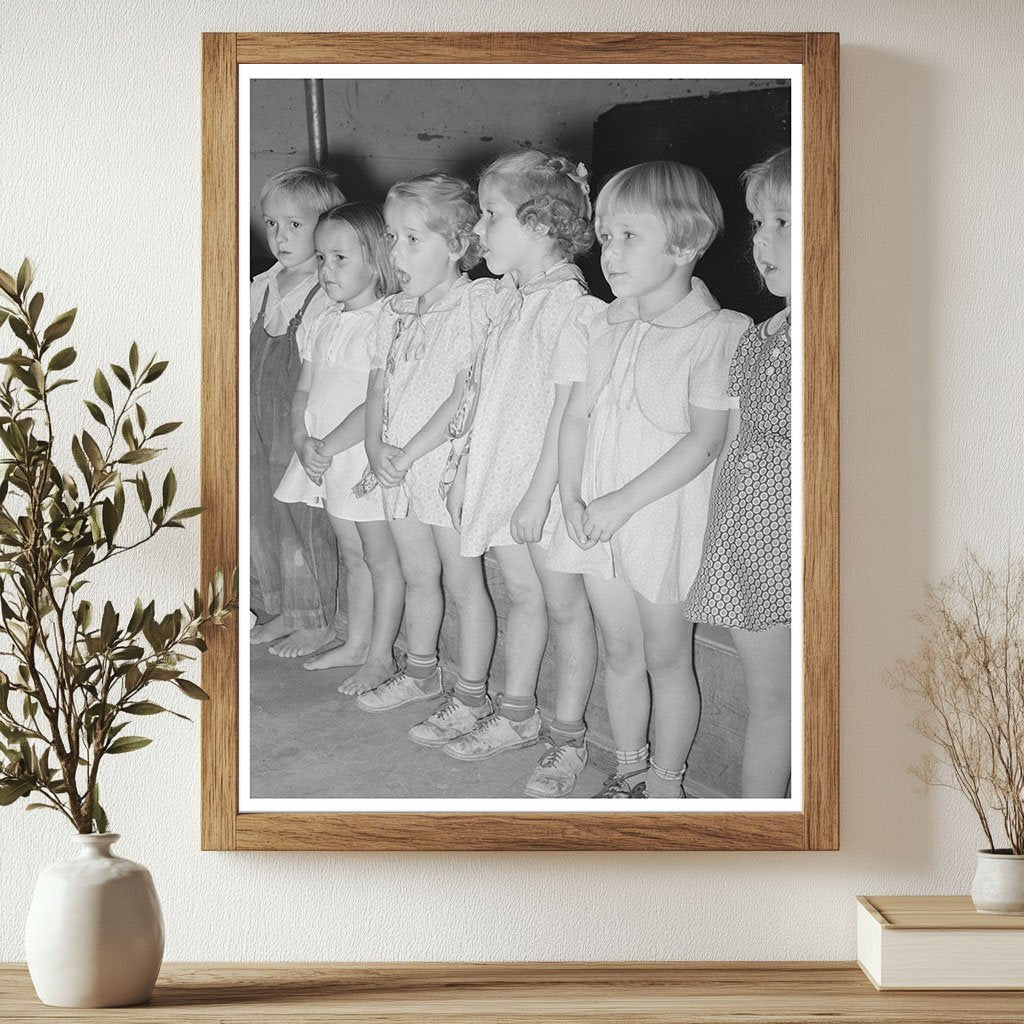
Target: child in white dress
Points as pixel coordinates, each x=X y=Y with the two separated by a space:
x=744 y=579
x=327 y=433
x=636 y=447
x=535 y=219
x=293 y=564
x=426 y=340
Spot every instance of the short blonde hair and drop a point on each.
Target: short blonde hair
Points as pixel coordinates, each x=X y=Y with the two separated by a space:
x=678 y=193
x=366 y=221
x=316 y=188
x=546 y=189
x=768 y=180
x=449 y=208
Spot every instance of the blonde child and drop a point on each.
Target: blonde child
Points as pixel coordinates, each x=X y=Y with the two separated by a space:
x=426 y=340
x=296 y=605
x=744 y=579
x=535 y=219
x=327 y=431
x=636 y=445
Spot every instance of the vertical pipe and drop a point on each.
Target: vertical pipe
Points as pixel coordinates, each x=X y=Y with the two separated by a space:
x=316 y=121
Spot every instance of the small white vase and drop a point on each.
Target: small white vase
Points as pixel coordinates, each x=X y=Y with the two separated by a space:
x=95 y=934
x=999 y=882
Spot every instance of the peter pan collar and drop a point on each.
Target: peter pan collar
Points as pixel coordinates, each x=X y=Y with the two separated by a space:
x=406 y=304
x=697 y=303
x=562 y=271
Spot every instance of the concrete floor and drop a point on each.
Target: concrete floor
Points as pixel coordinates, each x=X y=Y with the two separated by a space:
x=309 y=741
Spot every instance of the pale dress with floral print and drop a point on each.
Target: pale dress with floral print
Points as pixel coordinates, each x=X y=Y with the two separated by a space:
x=642 y=377
x=516 y=397
x=421 y=355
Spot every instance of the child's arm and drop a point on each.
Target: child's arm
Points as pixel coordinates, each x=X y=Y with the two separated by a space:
x=572 y=444
x=313 y=462
x=683 y=462
x=531 y=513
x=731 y=430
x=380 y=455
x=348 y=433
x=434 y=432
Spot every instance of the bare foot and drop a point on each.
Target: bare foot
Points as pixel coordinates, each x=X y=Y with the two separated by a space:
x=368 y=677
x=346 y=656
x=301 y=642
x=272 y=629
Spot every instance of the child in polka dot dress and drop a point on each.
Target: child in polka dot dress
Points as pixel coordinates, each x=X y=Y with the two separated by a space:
x=744 y=580
x=636 y=447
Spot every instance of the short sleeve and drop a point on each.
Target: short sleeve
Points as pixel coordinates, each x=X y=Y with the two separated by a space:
x=739 y=367
x=569 y=356
x=306 y=341
x=379 y=336
x=712 y=358
x=318 y=305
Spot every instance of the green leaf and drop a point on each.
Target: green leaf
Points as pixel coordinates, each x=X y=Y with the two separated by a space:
x=140 y=415
x=84 y=614
x=191 y=690
x=102 y=388
x=8 y=285
x=170 y=488
x=92 y=449
x=143 y=707
x=154 y=371
x=4 y=314
x=128 y=433
x=35 y=308
x=63 y=359
x=15 y=790
x=26 y=274
x=60 y=326
x=139 y=455
x=126 y=744
x=165 y=428
x=185 y=513
x=108 y=626
x=20 y=328
x=99 y=817
x=95 y=412
x=121 y=374
x=133 y=358
x=145 y=498
x=42 y=807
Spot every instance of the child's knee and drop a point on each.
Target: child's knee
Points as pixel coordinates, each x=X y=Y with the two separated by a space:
x=668 y=658
x=623 y=653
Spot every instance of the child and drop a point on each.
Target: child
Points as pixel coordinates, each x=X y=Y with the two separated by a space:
x=744 y=578
x=535 y=219
x=426 y=340
x=327 y=432
x=635 y=450
x=297 y=607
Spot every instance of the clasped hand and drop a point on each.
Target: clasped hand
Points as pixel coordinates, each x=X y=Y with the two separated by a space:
x=589 y=524
x=314 y=462
x=389 y=464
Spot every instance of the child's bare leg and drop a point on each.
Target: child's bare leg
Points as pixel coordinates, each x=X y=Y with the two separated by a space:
x=424 y=608
x=765 y=656
x=575 y=651
x=388 y=585
x=464 y=578
x=358 y=602
x=668 y=652
x=628 y=695
x=526 y=632
x=572 y=627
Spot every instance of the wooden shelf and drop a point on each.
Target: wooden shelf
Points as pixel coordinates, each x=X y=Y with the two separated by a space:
x=782 y=993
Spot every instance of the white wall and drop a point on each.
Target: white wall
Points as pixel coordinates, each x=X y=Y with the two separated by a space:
x=100 y=183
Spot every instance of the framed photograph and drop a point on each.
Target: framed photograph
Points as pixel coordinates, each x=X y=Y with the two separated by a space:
x=303 y=746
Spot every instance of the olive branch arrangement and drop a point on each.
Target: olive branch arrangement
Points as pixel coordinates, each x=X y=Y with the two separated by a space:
x=78 y=674
x=967 y=679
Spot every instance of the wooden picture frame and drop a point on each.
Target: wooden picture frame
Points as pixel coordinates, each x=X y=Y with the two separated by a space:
x=816 y=825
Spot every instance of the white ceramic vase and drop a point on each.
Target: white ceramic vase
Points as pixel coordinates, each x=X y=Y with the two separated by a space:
x=95 y=933
x=999 y=882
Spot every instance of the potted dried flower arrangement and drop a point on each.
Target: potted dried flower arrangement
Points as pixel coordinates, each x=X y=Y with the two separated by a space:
x=76 y=673
x=967 y=682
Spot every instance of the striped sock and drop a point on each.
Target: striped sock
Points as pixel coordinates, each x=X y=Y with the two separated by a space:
x=420 y=667
x=517 y=709
x=627 y=761
x=472 y=692
x=572 y=734
x=663 y=784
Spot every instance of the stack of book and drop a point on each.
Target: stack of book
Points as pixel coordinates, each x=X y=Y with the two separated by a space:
x=938 y=942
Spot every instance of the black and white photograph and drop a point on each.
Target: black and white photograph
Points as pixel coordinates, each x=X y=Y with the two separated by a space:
x=519 y=455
